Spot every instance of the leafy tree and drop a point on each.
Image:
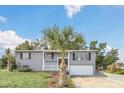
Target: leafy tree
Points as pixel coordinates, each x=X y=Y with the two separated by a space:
x=7 y=60
x=3 y=62
x=103 y=59
x=63 y=39
x=101 y=54
x=25 y=46
x=10 y=58
x=111 y=57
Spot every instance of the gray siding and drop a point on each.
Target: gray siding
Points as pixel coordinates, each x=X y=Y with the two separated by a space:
x=84 y=60
x=35 y=63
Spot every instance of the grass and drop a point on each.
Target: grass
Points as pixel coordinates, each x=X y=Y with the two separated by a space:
x=119 y=71
x=23 y=79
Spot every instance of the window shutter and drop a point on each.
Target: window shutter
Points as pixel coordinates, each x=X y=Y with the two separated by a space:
x=89 y=56
x=73 y=56
x=29 y=55
x=21 y=55
x=52 y=55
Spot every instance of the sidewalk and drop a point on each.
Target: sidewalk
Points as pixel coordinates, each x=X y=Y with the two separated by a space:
x=116 y=77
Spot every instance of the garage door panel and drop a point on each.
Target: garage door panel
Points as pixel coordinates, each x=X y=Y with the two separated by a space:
x=81 y=70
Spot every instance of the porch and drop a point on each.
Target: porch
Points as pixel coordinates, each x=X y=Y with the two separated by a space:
x=51 y=60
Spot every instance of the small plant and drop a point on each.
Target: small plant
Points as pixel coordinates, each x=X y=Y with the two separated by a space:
x=69 y=82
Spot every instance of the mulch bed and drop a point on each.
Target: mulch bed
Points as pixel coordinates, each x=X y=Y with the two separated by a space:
x=53 y=80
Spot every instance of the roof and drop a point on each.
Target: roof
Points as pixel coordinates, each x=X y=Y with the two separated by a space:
x=54 y=50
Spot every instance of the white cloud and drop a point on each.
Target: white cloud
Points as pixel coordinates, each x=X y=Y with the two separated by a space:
x=9 y=39
x=108 y=48
x=72 y=9
x=121 y=56
x=2 y=19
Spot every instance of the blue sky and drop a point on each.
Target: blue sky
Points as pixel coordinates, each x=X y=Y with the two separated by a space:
x=102 y=23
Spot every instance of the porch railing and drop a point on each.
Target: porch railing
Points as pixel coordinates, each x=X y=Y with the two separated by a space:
x=50 y=67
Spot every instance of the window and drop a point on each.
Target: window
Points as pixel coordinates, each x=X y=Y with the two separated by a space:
x=73 y=56
x=25 y=55
x=89 y=56
x=80 y=56
x=21 y=55
x=25 y=66
x=29 y=55
x=52 y=55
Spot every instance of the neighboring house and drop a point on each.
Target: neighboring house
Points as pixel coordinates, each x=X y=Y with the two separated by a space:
x=79 y=62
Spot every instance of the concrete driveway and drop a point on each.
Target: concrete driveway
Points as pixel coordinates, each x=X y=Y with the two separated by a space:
x=96 y=82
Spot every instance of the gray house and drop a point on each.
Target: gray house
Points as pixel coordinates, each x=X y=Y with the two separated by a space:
x=79 y=62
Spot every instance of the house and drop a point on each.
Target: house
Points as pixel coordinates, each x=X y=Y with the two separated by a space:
x=79 y=62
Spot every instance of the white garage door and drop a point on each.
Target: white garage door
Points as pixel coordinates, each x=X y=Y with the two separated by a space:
x=81 y=70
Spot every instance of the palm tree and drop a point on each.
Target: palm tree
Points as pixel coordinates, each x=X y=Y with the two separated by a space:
x=93 y=45
x=25 y=46
x=63 y=40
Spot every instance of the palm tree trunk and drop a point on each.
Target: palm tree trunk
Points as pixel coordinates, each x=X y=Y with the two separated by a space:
x=8 y=65
x=62 y=74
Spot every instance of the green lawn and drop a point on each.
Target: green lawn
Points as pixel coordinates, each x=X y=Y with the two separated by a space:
x=23 y=79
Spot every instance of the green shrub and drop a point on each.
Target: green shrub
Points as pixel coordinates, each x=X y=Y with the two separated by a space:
x=25 y=70
x=2 y=65
x=69 y=82
x=119 y=71
x=112 y=68
x=14 y=66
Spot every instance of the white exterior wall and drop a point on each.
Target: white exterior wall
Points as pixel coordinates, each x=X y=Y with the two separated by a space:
x=35 y=63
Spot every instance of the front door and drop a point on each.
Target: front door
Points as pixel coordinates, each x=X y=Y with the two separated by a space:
x=59 y=60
